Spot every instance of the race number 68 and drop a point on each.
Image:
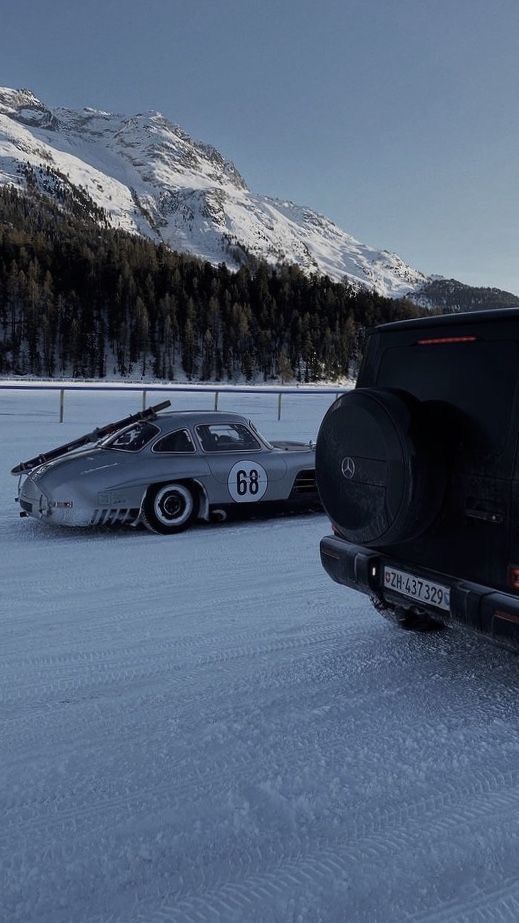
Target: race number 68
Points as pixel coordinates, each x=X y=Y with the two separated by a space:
x=247 y=481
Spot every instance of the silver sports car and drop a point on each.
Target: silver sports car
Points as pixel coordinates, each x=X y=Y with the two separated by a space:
x=166 y=471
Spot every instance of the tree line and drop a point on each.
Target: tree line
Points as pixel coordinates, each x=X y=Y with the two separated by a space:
x=78 y=298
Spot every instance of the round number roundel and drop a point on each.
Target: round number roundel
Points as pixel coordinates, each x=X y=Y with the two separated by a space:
x=247 y=481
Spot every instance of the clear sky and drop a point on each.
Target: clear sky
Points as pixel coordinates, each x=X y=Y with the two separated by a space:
x=396 y=118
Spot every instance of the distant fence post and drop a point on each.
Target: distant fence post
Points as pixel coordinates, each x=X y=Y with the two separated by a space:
x=61 y=404
x=279 y=405
x=144 y=400
x=216 y=400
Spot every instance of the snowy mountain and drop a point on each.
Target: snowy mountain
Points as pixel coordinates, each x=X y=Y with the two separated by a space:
x=151 y=178
x=147 y=176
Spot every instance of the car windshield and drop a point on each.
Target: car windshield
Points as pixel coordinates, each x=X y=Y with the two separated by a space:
x=132 y=438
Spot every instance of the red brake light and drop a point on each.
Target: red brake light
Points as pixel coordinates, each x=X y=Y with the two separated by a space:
x=435 y=341
x=506 y=616
x=513 y=576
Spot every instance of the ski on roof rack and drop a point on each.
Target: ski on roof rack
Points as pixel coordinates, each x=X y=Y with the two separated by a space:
x=99 y=433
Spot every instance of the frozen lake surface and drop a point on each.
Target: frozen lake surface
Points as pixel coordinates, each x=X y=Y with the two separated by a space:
x=205 y=728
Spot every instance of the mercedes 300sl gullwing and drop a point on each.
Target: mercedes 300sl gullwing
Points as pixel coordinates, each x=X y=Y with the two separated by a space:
x=167 y=470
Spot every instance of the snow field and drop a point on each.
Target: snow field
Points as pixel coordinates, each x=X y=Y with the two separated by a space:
x=206 y=728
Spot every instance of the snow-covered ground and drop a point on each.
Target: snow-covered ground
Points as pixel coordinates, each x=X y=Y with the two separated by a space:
x=205 y=728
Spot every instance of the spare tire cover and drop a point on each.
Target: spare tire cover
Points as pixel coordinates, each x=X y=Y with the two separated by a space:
x=378 y=479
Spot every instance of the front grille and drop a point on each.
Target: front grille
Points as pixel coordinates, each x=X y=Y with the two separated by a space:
x=26 y=506
x=304 y=483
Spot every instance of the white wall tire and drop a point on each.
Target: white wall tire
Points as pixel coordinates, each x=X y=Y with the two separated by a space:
x=169 y=508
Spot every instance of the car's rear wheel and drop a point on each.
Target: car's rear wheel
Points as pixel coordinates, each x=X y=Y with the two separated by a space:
x=169 y=508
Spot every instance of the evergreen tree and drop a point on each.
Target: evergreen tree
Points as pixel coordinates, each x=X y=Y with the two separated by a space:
x=75 y=294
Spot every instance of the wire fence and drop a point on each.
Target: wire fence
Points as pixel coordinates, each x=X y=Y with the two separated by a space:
x=146 y=390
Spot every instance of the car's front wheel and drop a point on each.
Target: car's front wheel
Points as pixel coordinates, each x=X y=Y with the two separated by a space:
x=169 y=508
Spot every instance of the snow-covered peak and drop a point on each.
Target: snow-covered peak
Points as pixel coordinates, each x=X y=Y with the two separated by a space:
x=25 y=107
x=17 y=99
x=151 y=178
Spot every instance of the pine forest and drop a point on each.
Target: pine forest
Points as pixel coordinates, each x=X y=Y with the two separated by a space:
x=80 y=299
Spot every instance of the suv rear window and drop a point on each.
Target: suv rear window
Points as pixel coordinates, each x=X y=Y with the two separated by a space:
x=477 y=378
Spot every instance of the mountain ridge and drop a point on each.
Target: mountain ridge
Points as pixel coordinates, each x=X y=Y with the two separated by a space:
x=152 y=178
x=149 y=177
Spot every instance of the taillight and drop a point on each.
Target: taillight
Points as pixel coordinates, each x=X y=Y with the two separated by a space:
x=513 y=576
x=437 y=341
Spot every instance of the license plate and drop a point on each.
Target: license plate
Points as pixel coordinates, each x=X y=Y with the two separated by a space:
x=434 y=594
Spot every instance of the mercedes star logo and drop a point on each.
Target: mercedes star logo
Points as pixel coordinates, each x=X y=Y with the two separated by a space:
x=348 y=467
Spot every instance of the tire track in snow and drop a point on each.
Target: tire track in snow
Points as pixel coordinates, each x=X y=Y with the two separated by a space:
x=131 y=673
x=493 y=905
x=182 y=685
x=190 y=684
x=374 y=841
x=167 y=652
x=375 y=833
x=269 y=681
x=172 y=645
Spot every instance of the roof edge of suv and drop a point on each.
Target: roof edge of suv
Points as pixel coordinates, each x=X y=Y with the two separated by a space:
x=464 y=317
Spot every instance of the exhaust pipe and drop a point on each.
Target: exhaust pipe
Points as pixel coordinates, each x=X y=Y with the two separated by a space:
x=218 y=515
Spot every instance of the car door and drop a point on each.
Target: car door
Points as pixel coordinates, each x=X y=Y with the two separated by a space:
x=244 y=469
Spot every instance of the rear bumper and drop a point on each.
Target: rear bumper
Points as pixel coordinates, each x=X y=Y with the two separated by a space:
x=489 y=611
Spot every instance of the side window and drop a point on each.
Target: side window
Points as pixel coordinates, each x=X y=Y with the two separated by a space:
x=179 y=441
x=133 y=438
x=227 y=437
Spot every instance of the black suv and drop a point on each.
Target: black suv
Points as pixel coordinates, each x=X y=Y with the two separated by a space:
x=418 y=470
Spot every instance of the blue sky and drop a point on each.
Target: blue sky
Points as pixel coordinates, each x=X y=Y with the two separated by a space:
x=396 y=118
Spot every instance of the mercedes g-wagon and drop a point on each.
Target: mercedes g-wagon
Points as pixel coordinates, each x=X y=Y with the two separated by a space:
x=418 y=470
